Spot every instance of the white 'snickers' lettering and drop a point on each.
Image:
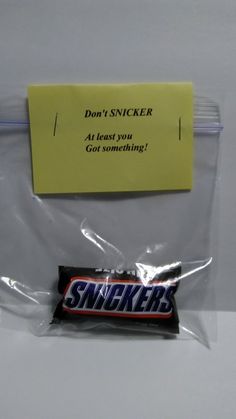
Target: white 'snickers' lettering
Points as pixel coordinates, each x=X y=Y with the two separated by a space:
x=120 y=298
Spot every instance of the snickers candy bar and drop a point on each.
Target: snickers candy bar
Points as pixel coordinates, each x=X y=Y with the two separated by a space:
x=140 y=300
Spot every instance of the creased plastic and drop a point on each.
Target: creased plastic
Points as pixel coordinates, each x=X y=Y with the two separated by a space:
x=117 y=231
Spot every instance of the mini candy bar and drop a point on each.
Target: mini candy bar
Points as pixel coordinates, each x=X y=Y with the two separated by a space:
x=127 y=299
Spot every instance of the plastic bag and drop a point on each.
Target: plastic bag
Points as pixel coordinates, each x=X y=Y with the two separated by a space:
x=141 y=231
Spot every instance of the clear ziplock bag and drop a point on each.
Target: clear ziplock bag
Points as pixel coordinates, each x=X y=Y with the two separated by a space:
x=145 y=233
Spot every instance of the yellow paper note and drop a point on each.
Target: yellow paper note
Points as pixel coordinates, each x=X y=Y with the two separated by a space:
x=110 y=138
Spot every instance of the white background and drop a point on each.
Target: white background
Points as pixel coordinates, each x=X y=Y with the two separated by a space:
x=127 y=40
